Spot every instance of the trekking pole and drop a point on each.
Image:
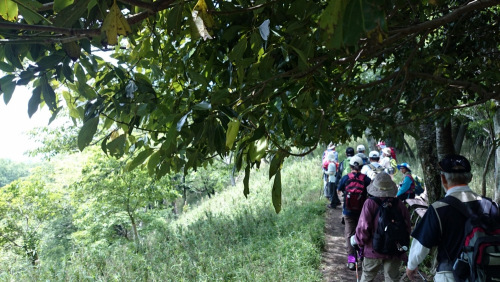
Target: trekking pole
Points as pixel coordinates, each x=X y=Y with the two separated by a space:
x=357 y=277
x=421 y=275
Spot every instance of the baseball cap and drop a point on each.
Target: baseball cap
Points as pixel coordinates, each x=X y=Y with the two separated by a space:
x=356 y=161
x=349 y=151
x=373 y=154
x=360 y=148
x=454 y=163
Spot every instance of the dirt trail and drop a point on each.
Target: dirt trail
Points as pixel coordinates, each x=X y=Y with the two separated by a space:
x=334 y=267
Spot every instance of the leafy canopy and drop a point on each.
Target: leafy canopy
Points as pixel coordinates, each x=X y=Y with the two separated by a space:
x=291 y=73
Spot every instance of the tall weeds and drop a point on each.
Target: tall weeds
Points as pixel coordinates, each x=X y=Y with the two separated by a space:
x=225 y=238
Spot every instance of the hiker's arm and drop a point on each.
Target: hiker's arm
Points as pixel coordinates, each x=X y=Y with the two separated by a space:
x=418 y=252
x=365 y=224
x=341 y=186
x=406 y=185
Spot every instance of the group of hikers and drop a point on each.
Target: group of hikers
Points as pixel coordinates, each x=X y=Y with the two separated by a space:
x=463 y=226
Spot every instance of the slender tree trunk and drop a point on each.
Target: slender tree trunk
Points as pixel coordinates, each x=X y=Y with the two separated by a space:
x=444 y=140
x=427 y=152
x=496 y=125
x=459 y=139
x=134 y=228
x=372 y=143
x=410 y=152
x=490 y=154
x=233 y=181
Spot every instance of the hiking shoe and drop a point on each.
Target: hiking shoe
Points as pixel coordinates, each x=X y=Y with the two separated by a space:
x=331 y=207
x=351 y=266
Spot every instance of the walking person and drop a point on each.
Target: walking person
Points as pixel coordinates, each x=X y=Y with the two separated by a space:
x=407 y=185
x=354 y=187
x=388 y=163
x=373 y=167
x=361 y=153
x=377 y=251
x=329 y=171
x=443 y=225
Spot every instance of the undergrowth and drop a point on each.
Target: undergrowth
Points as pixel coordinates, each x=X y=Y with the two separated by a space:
x=225 y=238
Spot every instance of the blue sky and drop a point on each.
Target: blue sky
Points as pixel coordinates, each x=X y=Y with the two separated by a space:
x=14 y=121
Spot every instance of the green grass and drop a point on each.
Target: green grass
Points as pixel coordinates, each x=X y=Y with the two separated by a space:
x=226 y=238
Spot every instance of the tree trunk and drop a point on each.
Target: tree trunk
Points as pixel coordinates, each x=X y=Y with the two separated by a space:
x=410 y=152
x=427 y=152
x=490 y=154
x=134 y=228
x=372 y=143
x=496 y=125
x=231 y=175
x=444 y=140
x=459 y=139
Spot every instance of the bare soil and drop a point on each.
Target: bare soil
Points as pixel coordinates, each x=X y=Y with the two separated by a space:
x=334 y=263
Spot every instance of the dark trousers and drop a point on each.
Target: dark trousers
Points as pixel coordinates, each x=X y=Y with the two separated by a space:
x=333 y=194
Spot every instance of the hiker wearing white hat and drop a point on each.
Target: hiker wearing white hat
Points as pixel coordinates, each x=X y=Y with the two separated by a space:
x=388 y=163
x=354 y=187
x=373 y=168
x=361 y=154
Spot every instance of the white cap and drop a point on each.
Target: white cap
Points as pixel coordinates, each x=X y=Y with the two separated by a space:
x=374 y=154
x=356 y=161
x=360 y=148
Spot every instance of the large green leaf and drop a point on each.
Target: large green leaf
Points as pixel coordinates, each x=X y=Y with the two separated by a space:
x=276 y=192
x=174 y=19
x=353 y=22
x=275 y=164
x=237 y=53
x=28 y=8
x=34 y=101
x=116 y=148
x=87 y=133
x=8 y=10
x=12 y=56
x=141 y=157
x=49 y=96
x=153 y=162
x=61 y=4
x=50 y=61
x=6 y=67
x=8 y=85
x=72 y=13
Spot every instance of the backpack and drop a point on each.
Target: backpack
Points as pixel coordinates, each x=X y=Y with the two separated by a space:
x=419 y=189
x=393 y=154
x=480 y=256
x=374 y=171
x=391 y=236
x=346 y=168
x=394 y=165
x=355 y=192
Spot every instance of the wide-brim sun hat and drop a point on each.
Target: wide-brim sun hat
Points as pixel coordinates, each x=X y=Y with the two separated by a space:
x=405 y=165
x=381 y=143
x=382 y=186
x=386 y=151
x=331 y=146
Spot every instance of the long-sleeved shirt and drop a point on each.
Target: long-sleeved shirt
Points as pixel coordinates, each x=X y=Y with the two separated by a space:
x=405 y=185
x=367 y=225
x=443 y=226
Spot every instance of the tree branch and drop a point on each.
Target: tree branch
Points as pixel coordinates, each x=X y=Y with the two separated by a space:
x=244 y=10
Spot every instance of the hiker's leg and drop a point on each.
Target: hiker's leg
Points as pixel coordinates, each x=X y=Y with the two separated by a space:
x=370 y=269
x=334 y=195
x=350 y=228
x=391 y=270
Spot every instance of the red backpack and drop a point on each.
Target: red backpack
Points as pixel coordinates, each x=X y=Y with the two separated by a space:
x=355 y=192
x=393 y=153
